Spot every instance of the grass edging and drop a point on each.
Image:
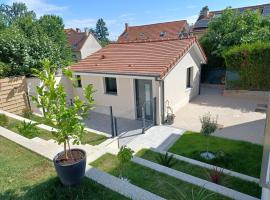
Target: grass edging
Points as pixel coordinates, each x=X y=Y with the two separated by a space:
x=194 y=180
x=153 y=181
x=209 y=166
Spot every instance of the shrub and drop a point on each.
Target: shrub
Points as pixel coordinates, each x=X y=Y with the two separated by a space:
x=124 y=156
x=3 y=120
x=251 y=62
x=28 y=130
x=216 y=176
x=166 y=160
x=26 y=113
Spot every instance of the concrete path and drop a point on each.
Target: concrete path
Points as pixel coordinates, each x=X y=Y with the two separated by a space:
x=159 y=137
x=237 y=116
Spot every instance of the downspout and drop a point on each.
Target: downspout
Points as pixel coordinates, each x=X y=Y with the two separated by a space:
x=162 y=102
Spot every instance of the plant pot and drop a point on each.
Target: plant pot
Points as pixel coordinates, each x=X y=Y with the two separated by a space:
x=170 y=119
x=70 y=172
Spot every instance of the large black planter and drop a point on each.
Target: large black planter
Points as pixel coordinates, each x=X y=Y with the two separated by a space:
x=70 y=174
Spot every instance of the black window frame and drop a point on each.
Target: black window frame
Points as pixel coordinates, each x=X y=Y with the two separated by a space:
x=189 y=74
x=78 y=81
x=110 y=89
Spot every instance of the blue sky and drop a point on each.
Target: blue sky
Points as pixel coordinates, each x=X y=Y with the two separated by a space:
x=84 y=13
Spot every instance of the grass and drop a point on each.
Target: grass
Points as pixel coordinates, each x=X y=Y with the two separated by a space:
x=148 y=179
x=237 y=184
x=26 y=175
x=88 y=138
x=242 y=157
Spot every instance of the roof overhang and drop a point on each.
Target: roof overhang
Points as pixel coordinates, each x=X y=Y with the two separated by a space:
x=265 y=169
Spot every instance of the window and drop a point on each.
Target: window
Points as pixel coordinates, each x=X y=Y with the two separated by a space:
x=189 y=77
x=162 y=34
x=110 y=85
x=78 y=81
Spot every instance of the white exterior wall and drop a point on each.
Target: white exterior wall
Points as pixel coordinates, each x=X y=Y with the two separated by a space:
x=123 y=103
x=32 y=83
x=90 y=46
x=176 y=94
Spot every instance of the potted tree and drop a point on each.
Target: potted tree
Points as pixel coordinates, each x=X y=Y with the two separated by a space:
x=70 y=163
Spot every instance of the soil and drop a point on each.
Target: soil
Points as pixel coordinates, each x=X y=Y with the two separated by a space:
x=77 y=155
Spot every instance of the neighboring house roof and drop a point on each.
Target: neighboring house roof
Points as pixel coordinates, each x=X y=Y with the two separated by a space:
x=167 y=30
x=151 y=58
x=76 y=39
x=202 y=23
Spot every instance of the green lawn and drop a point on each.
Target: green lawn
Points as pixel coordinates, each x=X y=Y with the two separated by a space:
x=88 y=138
x=237 y=184
x=242 y=157
x=153 y=181
x=26 y=175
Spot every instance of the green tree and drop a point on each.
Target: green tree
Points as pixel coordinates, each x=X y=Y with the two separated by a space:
x=102 y=32
x=16 y=10
x=124 y=156
x=67 y=119
x=25 y=41
x=233 y=28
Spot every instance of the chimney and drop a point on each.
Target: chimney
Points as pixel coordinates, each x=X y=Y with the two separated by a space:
x=86 y=31
x=126 y=26
x=78 y=30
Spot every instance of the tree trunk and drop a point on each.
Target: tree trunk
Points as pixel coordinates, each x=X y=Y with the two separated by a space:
x=65 y=150
x=70 y=153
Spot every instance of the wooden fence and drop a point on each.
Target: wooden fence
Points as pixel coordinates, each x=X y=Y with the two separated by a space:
x=13 y=96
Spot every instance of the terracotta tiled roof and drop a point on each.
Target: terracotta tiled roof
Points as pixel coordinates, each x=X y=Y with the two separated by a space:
x=76 y=39
x=167 y=30
x=153 y=58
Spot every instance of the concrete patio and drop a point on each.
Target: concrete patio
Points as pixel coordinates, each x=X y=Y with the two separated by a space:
x=236 y=116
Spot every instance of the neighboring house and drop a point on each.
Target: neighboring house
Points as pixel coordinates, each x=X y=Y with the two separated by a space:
x=159 y=31
x=83 y=44
x=128 y=75
x=201 y=24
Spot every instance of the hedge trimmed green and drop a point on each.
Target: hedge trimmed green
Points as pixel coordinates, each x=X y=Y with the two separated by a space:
x=252 y=62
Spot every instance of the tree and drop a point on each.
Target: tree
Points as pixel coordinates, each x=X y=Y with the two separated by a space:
x=124 y=156
x=209 y=126
x=16 y=10
x=102 y=32
x=203 y=12
x=25 y=41
x=67 y=119
x=233 y=28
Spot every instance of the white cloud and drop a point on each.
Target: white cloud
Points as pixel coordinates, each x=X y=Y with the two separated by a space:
x=80 y=23
x=191 y=19
x=191 y=6
x=41 y=7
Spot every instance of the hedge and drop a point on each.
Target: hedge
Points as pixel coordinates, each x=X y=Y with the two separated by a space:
x=252 y=63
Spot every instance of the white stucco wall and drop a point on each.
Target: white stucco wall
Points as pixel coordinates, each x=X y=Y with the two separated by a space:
x=90 y=46
x=176 y=94
x=32 y=83
x=123 y=103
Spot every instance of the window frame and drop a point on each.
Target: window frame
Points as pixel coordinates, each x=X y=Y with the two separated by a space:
x=189 y=78
x=106 y=88
x=78 y=81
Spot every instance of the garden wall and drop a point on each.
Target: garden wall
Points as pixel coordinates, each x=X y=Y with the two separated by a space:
x=13 y=97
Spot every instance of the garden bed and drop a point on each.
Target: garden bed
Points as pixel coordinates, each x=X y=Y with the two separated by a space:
x=26 y=175
x=234 y=183
x=150 y=180
x=238 y=156
x=89 y=137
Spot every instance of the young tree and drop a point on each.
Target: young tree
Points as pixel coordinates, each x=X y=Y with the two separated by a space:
x=124 y=156
x=67 y=119
x=203 y=12
x=209 y=126
x=102 y=32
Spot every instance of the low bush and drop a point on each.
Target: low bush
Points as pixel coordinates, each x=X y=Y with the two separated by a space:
x=3 y=120
x=28 y=130
x=27 y=113
x=166 y=160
